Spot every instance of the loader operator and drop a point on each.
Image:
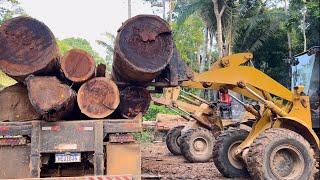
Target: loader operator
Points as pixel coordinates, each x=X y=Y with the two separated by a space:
x=225 y=103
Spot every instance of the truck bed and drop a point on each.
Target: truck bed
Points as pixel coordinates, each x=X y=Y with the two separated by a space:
x=37 y=139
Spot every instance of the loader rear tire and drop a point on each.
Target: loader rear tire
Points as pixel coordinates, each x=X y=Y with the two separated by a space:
x=196 y=145
x=223 y=153
x=172 y=140
x=280 y=153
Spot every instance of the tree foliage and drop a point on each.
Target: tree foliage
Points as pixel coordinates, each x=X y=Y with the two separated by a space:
x=188 y=38
x=9 y=9
x=108 y=44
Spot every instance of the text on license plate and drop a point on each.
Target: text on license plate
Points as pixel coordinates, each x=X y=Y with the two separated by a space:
x=68 y=157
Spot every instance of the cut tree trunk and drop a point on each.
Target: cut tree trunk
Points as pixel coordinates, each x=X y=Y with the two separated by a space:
x=143 y=48
x=77 y=65
x=15 y=104
x=98 y=97
x=101 y=70
x=133 y=100
x=27 y=46
x=52 y=99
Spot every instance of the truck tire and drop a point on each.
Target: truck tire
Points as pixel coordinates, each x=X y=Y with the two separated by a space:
x=280 y=153
x=196 y=145
x=172 y=140
x=228 y=165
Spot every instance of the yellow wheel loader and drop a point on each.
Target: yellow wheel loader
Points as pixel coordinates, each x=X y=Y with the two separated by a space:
x=284 y=140
x=195 y=139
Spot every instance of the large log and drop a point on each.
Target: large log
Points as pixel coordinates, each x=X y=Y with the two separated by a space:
x=133 y=100
x=77 y=65
x=15 y=104
x=27 y=46
x=52 y=99
x=98 y=97
x=143 y=48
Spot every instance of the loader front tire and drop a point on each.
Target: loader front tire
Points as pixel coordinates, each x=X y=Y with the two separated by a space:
x=196 y=145
x=224 y=154
x=172 y=140
x=280 y=153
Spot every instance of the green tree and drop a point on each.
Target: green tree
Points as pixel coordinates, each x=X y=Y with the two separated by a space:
x=8 y=9
x=108 y=44
x=69 y=43
x=189 y=38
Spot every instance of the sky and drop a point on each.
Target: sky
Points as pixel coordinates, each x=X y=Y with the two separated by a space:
x=87 y=19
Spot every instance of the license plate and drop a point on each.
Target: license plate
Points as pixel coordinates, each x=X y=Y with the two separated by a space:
x=68 y=157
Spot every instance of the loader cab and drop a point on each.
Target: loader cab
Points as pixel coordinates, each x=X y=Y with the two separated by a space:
x=305 y=71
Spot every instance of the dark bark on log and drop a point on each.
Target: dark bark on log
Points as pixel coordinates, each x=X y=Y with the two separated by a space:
x=101 y=70
x=52 y=99
x=27 y=46
x=77 y=66
x=15 y=104
x=133 y=100
x=143 y=48
x=98 y=97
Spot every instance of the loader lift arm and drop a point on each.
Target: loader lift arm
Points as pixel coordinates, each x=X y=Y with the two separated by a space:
x=283 y=107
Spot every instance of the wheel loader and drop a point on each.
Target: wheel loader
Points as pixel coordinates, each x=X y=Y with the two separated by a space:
x=284 y=140
x=194 y=139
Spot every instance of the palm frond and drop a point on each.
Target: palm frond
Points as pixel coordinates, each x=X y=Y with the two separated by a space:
x=106 y=45
x=265 y=35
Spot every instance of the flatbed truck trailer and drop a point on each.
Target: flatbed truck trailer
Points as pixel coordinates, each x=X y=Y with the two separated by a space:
x=78 y=148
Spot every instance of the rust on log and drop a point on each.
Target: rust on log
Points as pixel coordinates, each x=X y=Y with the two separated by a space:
x=143 y=48
x=27 y=46
x=77 y=65
x=133 y=100
x=52 y=99
x=15 y=104
x=98 y=97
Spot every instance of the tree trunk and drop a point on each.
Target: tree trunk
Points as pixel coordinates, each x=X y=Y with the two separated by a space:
x=286 y=8
x=143 y=48
x=129 y=9
x=15 y=104
x=50 y=98
x=77 y=65
x=205 y=51
x=101 y=70
x=98 y=97
x=27 y=46
x=133 y=100
x=304 y=28
x=163 y=9
x=219 y=25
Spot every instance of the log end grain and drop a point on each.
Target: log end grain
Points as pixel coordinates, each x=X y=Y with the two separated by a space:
x=77 y=65
x=50 y=97
x=15 y=104
x=133 y=100
x=143 y=47
x=98 y=97
x=27 y=46
x=101 y=70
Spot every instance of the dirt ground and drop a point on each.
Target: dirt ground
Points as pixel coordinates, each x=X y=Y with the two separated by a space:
x=158 y=161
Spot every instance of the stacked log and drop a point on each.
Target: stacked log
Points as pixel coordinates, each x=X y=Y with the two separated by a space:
x=134 y=100
x=98 y=97
x=143 y=48
x=77 y=65
x=27 y=46
x=50 y=98
x=101 y=70
x=29 y=54
x=15 y=105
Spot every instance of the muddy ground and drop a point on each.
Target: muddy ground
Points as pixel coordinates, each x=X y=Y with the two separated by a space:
x=158 y=161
